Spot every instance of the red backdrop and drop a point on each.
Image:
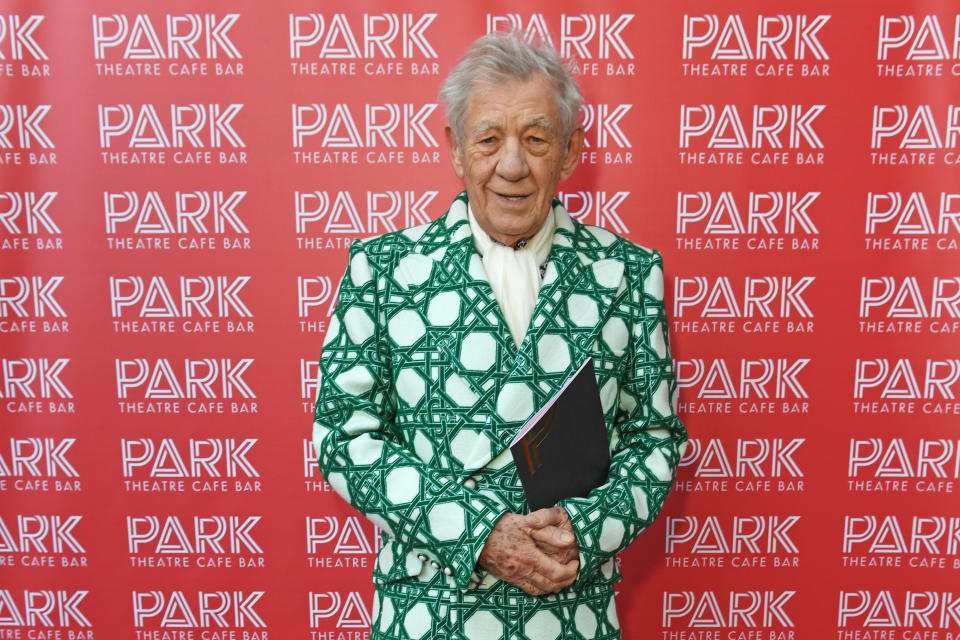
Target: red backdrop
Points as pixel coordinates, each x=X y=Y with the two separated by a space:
x=178 y=189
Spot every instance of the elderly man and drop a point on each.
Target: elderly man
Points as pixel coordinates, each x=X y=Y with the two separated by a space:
x=447 y=337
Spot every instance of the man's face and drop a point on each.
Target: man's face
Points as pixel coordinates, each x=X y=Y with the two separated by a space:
x=513 y=155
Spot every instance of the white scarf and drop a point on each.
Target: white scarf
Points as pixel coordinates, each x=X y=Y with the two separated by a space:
x=514 y=274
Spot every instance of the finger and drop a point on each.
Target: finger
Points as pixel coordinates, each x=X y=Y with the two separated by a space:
x=554 y=536
x=541 y=584
x=546 y=517
x=563 y=556
x=570 y=568
x=553 y=570
x=551 y=585
x=560 y=555
x=574 y=566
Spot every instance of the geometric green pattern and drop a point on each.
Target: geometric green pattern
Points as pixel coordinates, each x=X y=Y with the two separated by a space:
x=421 y=389
x=401 y=611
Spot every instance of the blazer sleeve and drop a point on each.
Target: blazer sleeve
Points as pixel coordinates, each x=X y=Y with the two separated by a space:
x=359 y=449
x=647 y=440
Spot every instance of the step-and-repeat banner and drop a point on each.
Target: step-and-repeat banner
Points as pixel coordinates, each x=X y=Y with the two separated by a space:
x=179 y=186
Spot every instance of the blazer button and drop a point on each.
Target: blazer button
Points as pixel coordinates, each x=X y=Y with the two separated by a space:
x=470 y=483
x=448 y=571
x=434 y=564
x=421 y=557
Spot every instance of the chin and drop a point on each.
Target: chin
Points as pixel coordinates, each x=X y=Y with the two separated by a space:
x=517 y=231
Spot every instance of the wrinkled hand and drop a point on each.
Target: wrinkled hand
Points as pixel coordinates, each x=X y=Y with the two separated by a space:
x=554 y=534
x=514 y=555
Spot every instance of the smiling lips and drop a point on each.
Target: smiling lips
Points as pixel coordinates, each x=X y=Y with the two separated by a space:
x=512 y=198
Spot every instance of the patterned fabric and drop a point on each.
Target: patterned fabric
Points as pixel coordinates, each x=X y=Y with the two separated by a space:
x=421 y=390
x=402 y=610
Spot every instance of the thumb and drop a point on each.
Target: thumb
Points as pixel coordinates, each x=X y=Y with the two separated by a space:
x=554 y=536
x=551 y=516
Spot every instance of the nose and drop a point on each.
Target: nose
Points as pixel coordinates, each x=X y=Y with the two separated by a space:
x=512 y=164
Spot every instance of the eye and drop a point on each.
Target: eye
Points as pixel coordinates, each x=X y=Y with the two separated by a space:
x=488 y=140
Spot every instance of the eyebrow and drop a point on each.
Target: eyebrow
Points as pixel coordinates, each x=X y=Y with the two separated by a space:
x=485 y=125
x=546 y=123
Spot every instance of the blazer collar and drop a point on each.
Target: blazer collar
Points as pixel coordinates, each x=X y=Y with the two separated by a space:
x=580 y=256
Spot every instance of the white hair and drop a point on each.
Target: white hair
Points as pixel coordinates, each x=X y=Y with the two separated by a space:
x=500 y=57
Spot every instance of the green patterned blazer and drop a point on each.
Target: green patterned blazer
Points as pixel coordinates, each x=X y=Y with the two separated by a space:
x=421 y=389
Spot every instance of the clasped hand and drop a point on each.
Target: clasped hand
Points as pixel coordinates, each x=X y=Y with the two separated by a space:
x=537 y=552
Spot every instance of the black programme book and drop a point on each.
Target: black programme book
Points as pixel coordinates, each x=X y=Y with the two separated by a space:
x=562 y=451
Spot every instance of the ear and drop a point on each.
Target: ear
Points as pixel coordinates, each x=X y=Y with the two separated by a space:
x=571 y=157
x=456 y=156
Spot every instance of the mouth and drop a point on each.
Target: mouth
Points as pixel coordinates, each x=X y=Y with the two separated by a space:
x=511 y=197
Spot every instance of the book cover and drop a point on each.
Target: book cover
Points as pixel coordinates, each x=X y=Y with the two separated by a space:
x=562 y=451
